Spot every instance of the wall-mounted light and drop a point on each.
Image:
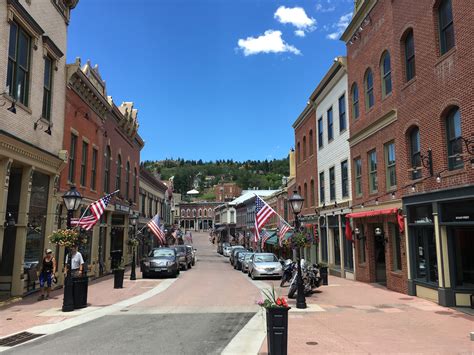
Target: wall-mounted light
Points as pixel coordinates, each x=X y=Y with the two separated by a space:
x=376 y=202
x=42 y=125
x=378 y=231
x=438 y=178
x=413 y=188
x=9 y=220
x=393 y=195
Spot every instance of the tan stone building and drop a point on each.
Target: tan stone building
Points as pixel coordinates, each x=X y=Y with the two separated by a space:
x=33 y=39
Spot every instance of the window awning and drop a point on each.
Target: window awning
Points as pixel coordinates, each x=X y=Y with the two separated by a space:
x=372 y=213
x=272 y=240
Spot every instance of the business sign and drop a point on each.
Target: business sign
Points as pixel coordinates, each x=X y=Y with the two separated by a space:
x=122 y=208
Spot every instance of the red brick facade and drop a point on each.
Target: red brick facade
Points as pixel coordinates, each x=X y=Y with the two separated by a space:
x=227 y=191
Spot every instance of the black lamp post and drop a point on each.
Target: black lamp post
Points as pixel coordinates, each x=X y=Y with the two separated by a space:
x=296 y=203
x=133 y=220
x=72 y=200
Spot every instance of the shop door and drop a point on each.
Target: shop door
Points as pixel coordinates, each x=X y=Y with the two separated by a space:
x=380 y=265
x=102 y=239
x=337 y=248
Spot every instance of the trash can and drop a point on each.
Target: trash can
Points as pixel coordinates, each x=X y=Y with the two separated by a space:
x=277 y=330
x=79 y=287
x=118 y=278
x=323 y=272
x=116 y=258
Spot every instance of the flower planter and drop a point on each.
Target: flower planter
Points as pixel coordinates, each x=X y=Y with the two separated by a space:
x=323 y=272
x=277 y=330
x=118 y=278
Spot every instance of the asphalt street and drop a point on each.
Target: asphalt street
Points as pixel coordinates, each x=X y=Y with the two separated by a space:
x=200 y=313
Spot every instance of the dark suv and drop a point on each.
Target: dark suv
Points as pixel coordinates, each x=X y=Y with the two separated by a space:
x=185 y=256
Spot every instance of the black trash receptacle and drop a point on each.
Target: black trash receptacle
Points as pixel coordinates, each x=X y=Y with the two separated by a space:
x=323 y=272
x=116 y=258
x=277 y=330
x=79 y=286
x=118 y=278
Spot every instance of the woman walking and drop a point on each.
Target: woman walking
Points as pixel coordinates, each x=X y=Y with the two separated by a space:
x=47 y=272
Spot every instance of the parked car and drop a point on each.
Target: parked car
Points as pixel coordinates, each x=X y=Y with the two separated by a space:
x=221 y=246
x=246 y=261
x=239 y=259
x=185 y=257
x=235 y=249
x=160 y=261
x=265 y=265
x=193 y=253
x=227 y=250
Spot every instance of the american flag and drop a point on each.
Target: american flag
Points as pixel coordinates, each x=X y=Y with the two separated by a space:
x=96 y=209
x=264 y=235
x=283 y=227
x=154 y=225
x=263 y=212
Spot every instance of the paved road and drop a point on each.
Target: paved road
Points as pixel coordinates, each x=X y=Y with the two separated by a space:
x=199 y=313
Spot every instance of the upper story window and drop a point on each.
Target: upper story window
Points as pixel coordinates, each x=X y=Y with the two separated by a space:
x=386 y=74
x=107 y=156
x=342 y=113
x=85 y=151
x=298 y=153
x=127 y=181
x=373 y=183
x=415 y=153
x=358 y=176
x=321 y=187
x=311 y=142
x=305 y=195
x=18 y=73
x=330 y=125
x=304 y=147
x=409 y=45
x=332 y=184
x=72 y=159
x=345 y=179
x=47 y=86
x=118 y=178
x=95 y=153
x=369 y=89
x=320 y=132
x=453 y=136
x=390 y=173
x=355 y=101
x=446 y=26
x=312 y=193
x=134 y=184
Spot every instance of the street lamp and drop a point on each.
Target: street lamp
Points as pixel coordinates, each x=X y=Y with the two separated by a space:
x=296 y=203
x=133 y=220
x=72 y=200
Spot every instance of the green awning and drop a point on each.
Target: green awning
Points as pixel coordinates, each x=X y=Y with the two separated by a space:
x=272 y=240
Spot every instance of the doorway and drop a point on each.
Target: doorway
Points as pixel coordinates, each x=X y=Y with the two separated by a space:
x=380 y=264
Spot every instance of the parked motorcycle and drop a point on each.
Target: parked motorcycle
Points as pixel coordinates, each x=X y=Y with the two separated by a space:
x=289 y=266
x=310 y=276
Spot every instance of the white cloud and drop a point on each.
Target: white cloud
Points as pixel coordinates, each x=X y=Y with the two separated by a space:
x=297 y=17
x=269 y=42
x=300 y=33
x=320 y=8
x=340 y=26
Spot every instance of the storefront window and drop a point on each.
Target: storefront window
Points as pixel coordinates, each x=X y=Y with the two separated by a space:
x=426 y=262
x=362 y=256
x=348 y=256
x=396 y=247
x=464 y=257
x=337 y=247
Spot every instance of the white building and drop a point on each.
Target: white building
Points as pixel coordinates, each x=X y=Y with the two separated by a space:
x=334 y=178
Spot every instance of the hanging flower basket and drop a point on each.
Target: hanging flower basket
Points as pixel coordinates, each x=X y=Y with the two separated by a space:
x=133 y=242
x=301 y=240
x=67 y=238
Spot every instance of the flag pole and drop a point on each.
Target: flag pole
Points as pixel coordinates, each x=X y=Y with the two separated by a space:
x=273 y=210
x=87 y=209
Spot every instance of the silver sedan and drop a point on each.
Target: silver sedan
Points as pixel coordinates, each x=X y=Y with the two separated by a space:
x=246 y=262
x=264 y=265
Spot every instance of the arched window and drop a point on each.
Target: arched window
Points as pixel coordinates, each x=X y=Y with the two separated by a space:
x=127 y=181
x=118 y=178
x=415 y=153
x=183 y=213
x=312 y=194
x=453 y=137
x=304 y=147
x=409 y=46
x=305 y=195
x=194 y=212
x=199 y=213
x=311 y=144
x=209 y=212
x=386 y=74
x=188 y=212
x=135 y=177
x=205 y=213
x=355 y=101
x=446 y=26
x=369 y=89
x=107 y=156
x=298 y=153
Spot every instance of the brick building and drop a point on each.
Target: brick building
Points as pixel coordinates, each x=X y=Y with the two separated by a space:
x=412 y=135
x=226 y=191
x=104 y=156
x=197 y=215
x=33 y=42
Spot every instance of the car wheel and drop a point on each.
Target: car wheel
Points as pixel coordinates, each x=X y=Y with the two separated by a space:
x=175 y=275
x=252 y=276
x=185 y=267
x=190 y=265
x=194 y=262
x=248 y=274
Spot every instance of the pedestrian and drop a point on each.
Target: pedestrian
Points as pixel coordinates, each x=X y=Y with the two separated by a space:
x=46 y=273
x=191 y=237
x=77 y=262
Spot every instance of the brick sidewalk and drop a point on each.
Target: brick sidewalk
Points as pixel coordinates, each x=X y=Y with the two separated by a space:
x=29 y=312
x=355 y=317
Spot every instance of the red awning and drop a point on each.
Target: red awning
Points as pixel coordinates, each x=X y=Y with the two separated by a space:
x=372 y=213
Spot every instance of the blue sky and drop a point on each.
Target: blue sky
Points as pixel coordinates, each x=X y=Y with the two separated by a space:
x=212 y=79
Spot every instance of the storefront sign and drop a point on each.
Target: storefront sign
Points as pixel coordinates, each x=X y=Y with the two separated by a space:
x=122 y=208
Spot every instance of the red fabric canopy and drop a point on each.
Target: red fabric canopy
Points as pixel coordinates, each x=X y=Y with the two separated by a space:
x=372 y=213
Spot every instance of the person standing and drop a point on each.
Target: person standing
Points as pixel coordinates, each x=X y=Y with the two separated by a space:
x=47 y=272
x=77 y=262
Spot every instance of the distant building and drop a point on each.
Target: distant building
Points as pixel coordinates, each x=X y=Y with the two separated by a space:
x=226 y=191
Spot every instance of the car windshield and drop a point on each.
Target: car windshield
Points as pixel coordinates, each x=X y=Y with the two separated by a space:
x=248 y=256
x=265 y=258
x=162 y=253
x=242 y=255
x=181 y=249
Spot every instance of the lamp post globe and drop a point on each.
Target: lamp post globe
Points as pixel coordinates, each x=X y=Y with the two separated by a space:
x=72 y=200
x=296 y=203
x=133 y=221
